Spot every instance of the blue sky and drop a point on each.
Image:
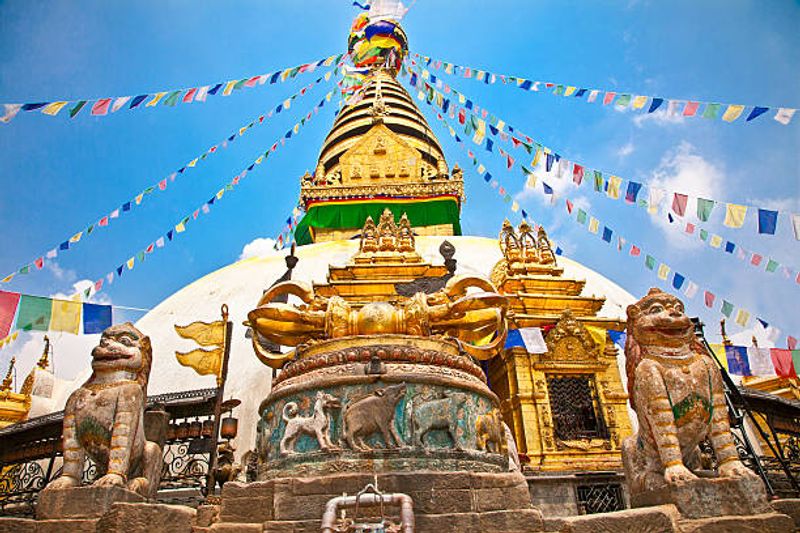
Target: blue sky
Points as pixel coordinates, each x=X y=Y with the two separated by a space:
x=59 y=175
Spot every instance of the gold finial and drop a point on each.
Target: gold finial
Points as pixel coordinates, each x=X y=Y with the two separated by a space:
x=6 y=385
x=725 y=340
x=755 y=342
x=43 y=361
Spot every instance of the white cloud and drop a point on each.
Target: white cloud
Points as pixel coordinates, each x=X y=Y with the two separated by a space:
x=80 y=286
x=683 y=170
x=625 y=150
x=61 y=274
x=257 y=247
x=660 y=117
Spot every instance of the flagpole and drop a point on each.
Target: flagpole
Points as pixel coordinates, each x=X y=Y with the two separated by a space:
x=212 y=462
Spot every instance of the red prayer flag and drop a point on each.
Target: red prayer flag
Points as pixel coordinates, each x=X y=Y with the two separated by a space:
x=100 y=107
x=39 y=263
x=791 y=342
x=8 y=308
x=162 y=184
x=690 y=109
x=103 y=221
x=577 y=174
x=689 y=228
x=679 y=204
x=252 y=81
x=150 y=248
x=196 y=212
x=516 y=142
x=462 y=116
x=756 y=260
x=635 y=251
x=609 y=97
x=187 y=98
x=709 y=299
x=98 y=285
x=782 y=361
x=569 y=207
x=509 y=161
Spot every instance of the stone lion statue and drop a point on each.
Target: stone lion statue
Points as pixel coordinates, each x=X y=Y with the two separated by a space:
x=676 y=391
x=104 y=418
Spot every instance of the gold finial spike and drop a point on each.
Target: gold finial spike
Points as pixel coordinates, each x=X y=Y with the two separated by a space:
x=755 y=341
x=725 y=340
x=43 y=360
x=6 y=385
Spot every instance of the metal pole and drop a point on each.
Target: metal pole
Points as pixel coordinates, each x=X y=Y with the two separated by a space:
x=212 y=460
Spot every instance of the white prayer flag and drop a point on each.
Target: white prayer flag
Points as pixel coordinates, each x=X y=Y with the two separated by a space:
x=784 y=115
x=760 y=361
x=534 y=342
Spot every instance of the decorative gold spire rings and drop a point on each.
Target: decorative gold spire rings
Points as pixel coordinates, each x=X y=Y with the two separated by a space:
x=453 y=312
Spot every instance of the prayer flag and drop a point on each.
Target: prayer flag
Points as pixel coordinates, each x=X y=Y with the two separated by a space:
x=690 y=109
x=9 y=301
x=620 y=243
x=784 y=115
x=77 y=108
x=782 y=362
x=53 y=108
x=34 y=313
x=679 y=204
x=772 y=265
x=607 y=233
x=677 y=280
x=732 y=113
x=9 y=112
x=577 y=174
x=130 y=262
x=100 y=107
x=704 y=208
x=655 y=103
x=711 y=111
x=756 y=112
x=609 y=97
x=156 y=98
x=639 y=102
x=655 y=199
x=663 y=271
x=581 y=217
x=742 y=317
x=201 y=94
x=716 y=241
x=632 y=192
x=727 y=308
x=187 y=98
x=613 y=187
x=691 y=289
x=96 y=318
x=708 y=299
x=624 y=100
x=755 y=260
x=533 y=340
x=172 y=99
x=734 y=215
x=650 y=262
x=65 y=316
x=719 y=354
x=635 y=251
x=594 y=225
x=796 y=225
x=137 y=101
x=598 y=181
x=767 y=221
x=737 y=360
x=119 y=102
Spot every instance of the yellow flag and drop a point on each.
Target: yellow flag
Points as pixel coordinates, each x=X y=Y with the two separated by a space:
x=514 y=206
x=594 y=224
x=181 y=227
x=742 y=317
x=500 y=125
x=613 y=187
x=480 y=133
x=328 y=75
x=598 y=335
x=462 y=99
x=204 y=362
x=192 y=163
x=287 y=103
x=296 y=127
x=481 y=168
x=65 y=316
x=156 y=98
x=259 y=160
x=732 y=113
x=663 y=271
x=243 y=129
x=734 y=215
x=220 y=193
x=139 y=199
x=719 y=351
x=715 y=241
x=536 y=157
x=229 y=87
x=531 y=182
x=130 y=263
x=76 y=237
x=639 y=101
x=570 y=91
x=53 y=108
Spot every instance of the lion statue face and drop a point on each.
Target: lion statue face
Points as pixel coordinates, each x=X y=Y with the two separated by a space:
x=123 y=347
x=659 y=319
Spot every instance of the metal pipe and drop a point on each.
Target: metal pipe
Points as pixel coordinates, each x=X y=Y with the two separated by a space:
x=403 y=500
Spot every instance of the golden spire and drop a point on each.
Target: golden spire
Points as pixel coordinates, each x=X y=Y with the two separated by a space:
x=6 y=385
x=43 y=360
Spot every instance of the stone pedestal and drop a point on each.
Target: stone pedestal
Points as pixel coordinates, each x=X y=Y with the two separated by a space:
x=703 y=498
x=467 y=502
x=90 y=501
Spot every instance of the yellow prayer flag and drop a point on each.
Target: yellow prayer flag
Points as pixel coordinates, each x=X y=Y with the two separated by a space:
x=639 y=101
x=285 y=74
x=462 y=99
x=192 y=163
x=139 y=199
x=742 y=317
x=500 y=125
x=229 y=87
x=594 y=225
x=328 y=96
x=296 y=127
x=328 y=75
x=156 y=98
x=477 y=138
x=715 y=241
x=598 y=336
x=536 y=157
x=732 y=113
x=570 y=91
x=287 y=103
x=259 y=160
x=719 y=352
x=481 y=168
x=734 y=215
x=328 y=62
x=130 y=263
x=53 y=108
x=531 y=181
x=514 y=206
x=425 y=74
x=243 y=129
x=663 y=271
x=220 y=193
x=76 y=237
x=613 y=187
x=65 y=316
x=181 y=227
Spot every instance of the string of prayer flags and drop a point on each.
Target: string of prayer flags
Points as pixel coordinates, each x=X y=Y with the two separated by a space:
x=38 y=313
x=604 y=183
x=161 y=185
x=169 y=98
x=677 y=107
x=182 y=225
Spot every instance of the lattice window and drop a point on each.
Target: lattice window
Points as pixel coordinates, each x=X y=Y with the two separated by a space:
x=600 y=498
x=573 y=402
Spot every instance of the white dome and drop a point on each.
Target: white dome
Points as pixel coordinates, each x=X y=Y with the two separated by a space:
x=241 y=284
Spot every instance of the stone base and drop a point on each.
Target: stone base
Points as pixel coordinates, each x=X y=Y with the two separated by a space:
x=788 y=506
x=760 y=523
x=556 y=495
x=90 y=501
x=474 y=502
x=704 y=498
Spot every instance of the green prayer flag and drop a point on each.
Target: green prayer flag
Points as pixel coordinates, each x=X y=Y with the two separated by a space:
x=598 y=181
x=90 y=229
x=77 y=109
x=239 y=84
x=650 y=262
x=704 y=208
x=559 y=90
x=148 y=190
x=140 y=257
x=642 y=203
x=727 y=308
x=228 y=187
x=712 y=111
x=172 y=99
x=772 y=265
x=703 y=235
x=34 y=313
x=581 y=216
x=25 y=269
x=623 y=100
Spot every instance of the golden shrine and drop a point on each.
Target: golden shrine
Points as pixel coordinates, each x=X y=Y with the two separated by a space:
x=14 y=406
x=567 y=404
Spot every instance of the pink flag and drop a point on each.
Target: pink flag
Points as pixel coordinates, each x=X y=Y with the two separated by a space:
x=252 y=81
x=709 y=299
x=39 y=263
x=187 y=98
x=635 y=251
x=103 y=222
x=100 y=107
x=509 y=161
x=609 y=97
x=98 y=285
x=756 y=260
x=162 y=184
x=679 y=204
x=791 y=342
x=690 y=109
x=577 y=174
x=689 y=228
x=569 y=206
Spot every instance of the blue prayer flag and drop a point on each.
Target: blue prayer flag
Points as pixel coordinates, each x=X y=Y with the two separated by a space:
x=469 y=104
x=489 y=145
x=96 y=318
x=729 y=247
x=119 y=270
x=767 y=221
x=580 y=93
x=738 y=363
x=138 y=100
x=524 y=214
x=677 y=280
x=274 y=78
x=514 y=339
x=212 y=91
x=64 y=245
x=32 y=107
x=633 y=191
x=126 y=206
x=655 y=104
x=756 y=112
x=617 y=337
x=526 y=85
x=494 y=130
x=487 y=177
x=607 y=233
x=547 y=189
x=549 y=162
x=559 y=251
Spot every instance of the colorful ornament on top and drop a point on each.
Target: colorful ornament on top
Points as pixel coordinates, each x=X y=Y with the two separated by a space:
x=377 y=41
